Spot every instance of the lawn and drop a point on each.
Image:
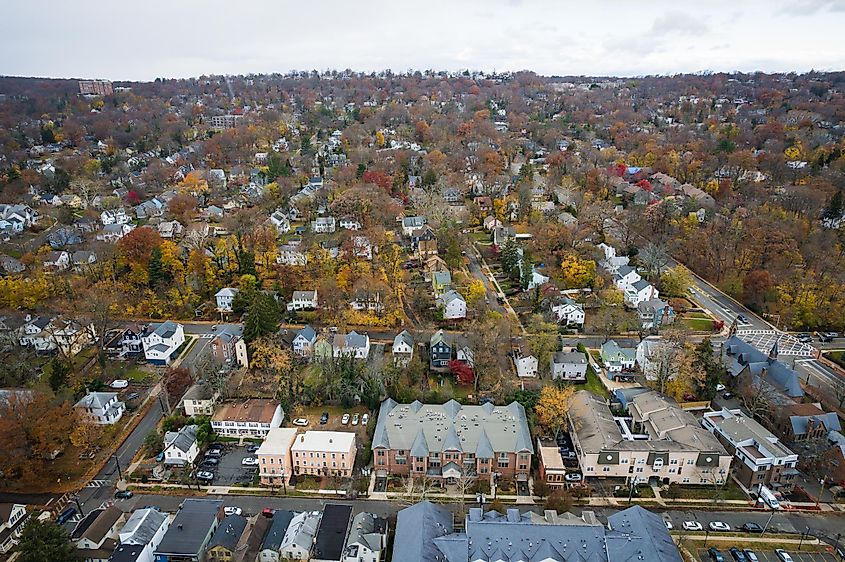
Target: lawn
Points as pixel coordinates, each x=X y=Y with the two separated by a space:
x=837 y=357
x=481 y=237
x=730 y=492
x=698 y=324
x=593 y=384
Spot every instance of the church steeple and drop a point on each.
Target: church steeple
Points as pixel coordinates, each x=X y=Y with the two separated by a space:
x=773 y=353
x=732 y=331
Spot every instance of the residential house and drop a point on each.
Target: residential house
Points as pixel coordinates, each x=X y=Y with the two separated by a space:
x=353 y=345
x=181 y=447
x=324 y=453
x=199 y=400
x=464 y=354
x=424 y=243
x=525 y=362
x=367 y=538
x=291 y=254
x=253 y=417
x=224 y=298
x=330 y=540
x=102 y=408
x=275 y=467
x=617 y=359
x=279 y=523
x=349 y=223
x=56 y=261
x=303 y=300
x=114 y=216
x=169 y=229
x=160 y=342
x=568 y=312
x=552 y=466
x=441 y=281
x=440 y=351
x=221 y=547
x=648 y=357
x=403 y=348
x=453 y=304
x=125 y=342
x=491 y=223
x=453 y=195
x=190 y=531
x=303 y=342
x=324 y=225
x=64 y=236
x=13 y=516
x=11 y=265
x=367 y=300
x=655 y=313
x=141 y=535
x=98 y=540
x=280 y=220
x=299 y=537
x=449 y=441
x=82 y=260
x=228 y=347
x=801 y=422
x=417 y=529
x=761 y=459
x=660 y=442
x=502 y=234
x=362 y=248
x=114 y=232
x=410 y=224
x=569 y=366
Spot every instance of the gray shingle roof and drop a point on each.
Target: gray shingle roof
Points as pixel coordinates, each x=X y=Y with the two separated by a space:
x=775 y=373
x=637 y=534
x=228 y=532
x=182 y=439
x=416 y=528
x=276 y=533
x=190 y=527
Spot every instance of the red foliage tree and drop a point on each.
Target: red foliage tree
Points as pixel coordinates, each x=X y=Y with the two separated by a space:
x=462 y=371
x=137 y=246
x=380 y=179
x=133 y=198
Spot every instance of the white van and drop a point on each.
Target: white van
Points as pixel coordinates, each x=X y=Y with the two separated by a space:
x=767 y=496
x=119 y=383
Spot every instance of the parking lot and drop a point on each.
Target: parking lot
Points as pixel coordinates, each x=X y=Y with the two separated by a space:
x=769 y=556
x=230 y=471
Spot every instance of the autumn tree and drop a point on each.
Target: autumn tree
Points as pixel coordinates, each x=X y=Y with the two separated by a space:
x=270 y=356
x=675 y=281
x=462 y=372
x=560 y=501
x=553 y=406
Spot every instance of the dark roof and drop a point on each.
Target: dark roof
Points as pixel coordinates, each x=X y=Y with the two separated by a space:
x=126 y=553
x=228 y=532
x=189 y=529
x=84 y=523
x=331 y=535
x=97 y=531
x=276 y=532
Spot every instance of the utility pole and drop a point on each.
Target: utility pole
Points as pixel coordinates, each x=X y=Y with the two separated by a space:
x=767 y=523
x=804 y=534
x=79 y=505
x=117 y=463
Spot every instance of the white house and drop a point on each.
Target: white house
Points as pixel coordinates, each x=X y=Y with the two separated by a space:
x=181 y=447
x=56 y=261
x=169 y=229
x=224 y=297
x=349 y=223
x=290 y=254
x=611 y=261
x=114 y=216
x=280 y=220
x=569 y=313
x=303 y=342
x=526 y=363
x=352 y=344
x=299 y=537
x=367 y=538
x=410 y=224
x=454 y=305
x=141 y=534
x=324 y=225
x=569 y=366
x=303 y=300
x=102 y=408
x=48 y=334
x=160 y=341
x=13 y=516
x=635 y=289
x=367 y=300
x=403 y=348
x=114 y=232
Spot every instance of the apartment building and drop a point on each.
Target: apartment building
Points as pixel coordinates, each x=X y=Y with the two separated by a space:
x=324 y=452
x=658 y=441
x=449 y=441
x=274 y=463
x=96 y=87
x=222 y=122
x=250 y=418
x=761 y=459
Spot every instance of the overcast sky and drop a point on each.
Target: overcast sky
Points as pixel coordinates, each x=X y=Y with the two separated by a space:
x=145 y=39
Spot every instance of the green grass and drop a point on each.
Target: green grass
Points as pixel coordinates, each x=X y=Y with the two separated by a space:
x=730 y=492
x=698 y=324
x=837 y=357
x=481 y=237
x=593 y=384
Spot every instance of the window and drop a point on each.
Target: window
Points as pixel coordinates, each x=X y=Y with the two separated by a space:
x=398 y=461
x=673 y=461
x=380 y=453
x=639 y=469
x=605 y=469
x=590 y=469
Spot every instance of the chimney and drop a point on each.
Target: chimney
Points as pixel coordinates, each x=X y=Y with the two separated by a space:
x=302 y=438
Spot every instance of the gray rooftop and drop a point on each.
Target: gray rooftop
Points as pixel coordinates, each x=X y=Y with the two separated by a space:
x=367 y=529
x=142 y=526
x=416 y=528
x=278 y=527
x=637 y=534
x=742 y=354
x=228 y=533
x=191 y=526
x=423 y=428
x=182 y=439
x=570 y=357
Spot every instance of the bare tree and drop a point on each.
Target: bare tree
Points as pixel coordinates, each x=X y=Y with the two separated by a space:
x=654 y=259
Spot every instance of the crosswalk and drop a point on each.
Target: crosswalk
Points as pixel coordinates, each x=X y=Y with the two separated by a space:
x=788 y=345
x=98 y=484
x=206 y=336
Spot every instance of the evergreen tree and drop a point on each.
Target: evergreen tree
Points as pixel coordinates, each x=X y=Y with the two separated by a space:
x=155 y=270
x=262 y=318
x=59 y=372
x=44 y=540
x=510 y=257
x=247 y=263
x=834 y=207
x=526 y=273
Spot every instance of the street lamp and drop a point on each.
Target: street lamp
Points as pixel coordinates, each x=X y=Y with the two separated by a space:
x=804 y=534
x=706 y=536
x=767 y=522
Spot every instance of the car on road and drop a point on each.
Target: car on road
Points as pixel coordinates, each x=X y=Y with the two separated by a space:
x=690 y=290
x=805 y=337
x=355 y=418
x=500 y=299
x=742 y=319
x=205 y=475
x=65 y=515
x=232 y=510
x=751 y=528
x=573 y=477
x=783 y=556
x=267 y=512
x=718 y=526
x=250 y=461
x=214 y=328
x=210 y=461
x=692 y=526
x=123 y=494
x=737 y=554
x=345 y=419
x=728 y=395
x=119 y=383
x=324 y=418
x=715 y=555
x=365 y=419
x=300 y=421
x=824 y=337
x=750 y=555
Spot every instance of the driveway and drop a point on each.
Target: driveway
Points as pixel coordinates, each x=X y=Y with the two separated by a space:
x=230 y=471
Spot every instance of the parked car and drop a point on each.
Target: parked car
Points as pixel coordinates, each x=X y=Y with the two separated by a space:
x=123 y=494
x=250 y=461
x=324 y=418
x=205 y=475
x=750 y=555
x=720 y=387
x=752 y=528
x=65 y=515
x=210 y=461
x=719 y=526
x=715 y=555
x=300 y=421
x=213 y=453
x=737 y=554
x=668 y=524
x=783 y=556
x=252 y=448
x=119 y=383
x=132 y=396
x=267 y=512
x=365 y=418
x=345 y=419
x=573 y=477
x=728 y=395
x=160 y=457
x=232 y=510
x=692 y=526
x=355 y=419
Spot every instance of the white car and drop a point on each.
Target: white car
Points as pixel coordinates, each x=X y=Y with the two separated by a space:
x=719 y=526
x=345 y=419
x=573 y=477
x=355 y=418
x=204 y=475
x=692 y=526
x=300 y=421
x=720 y=387
x=783 y=556
x=669 y=525
x=119 y=383
x=231 y=510
x=364 y=419
x=250 y=461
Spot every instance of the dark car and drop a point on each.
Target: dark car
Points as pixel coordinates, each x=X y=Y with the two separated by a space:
x=324 y=418
x=728 y=395
x=123 y=494
x=132 y=396
x=742 y=319
x=65 y=515
x=825 y=338
x=752 y=528
x=252 y=448
x=715 y=555
x=211 y=461
x=737 y=554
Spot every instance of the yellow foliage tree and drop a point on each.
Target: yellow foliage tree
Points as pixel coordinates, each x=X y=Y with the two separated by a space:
x=475 y=291
x=553 y=405
x=576 y=272
x=379 y=139
x=193 y=183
